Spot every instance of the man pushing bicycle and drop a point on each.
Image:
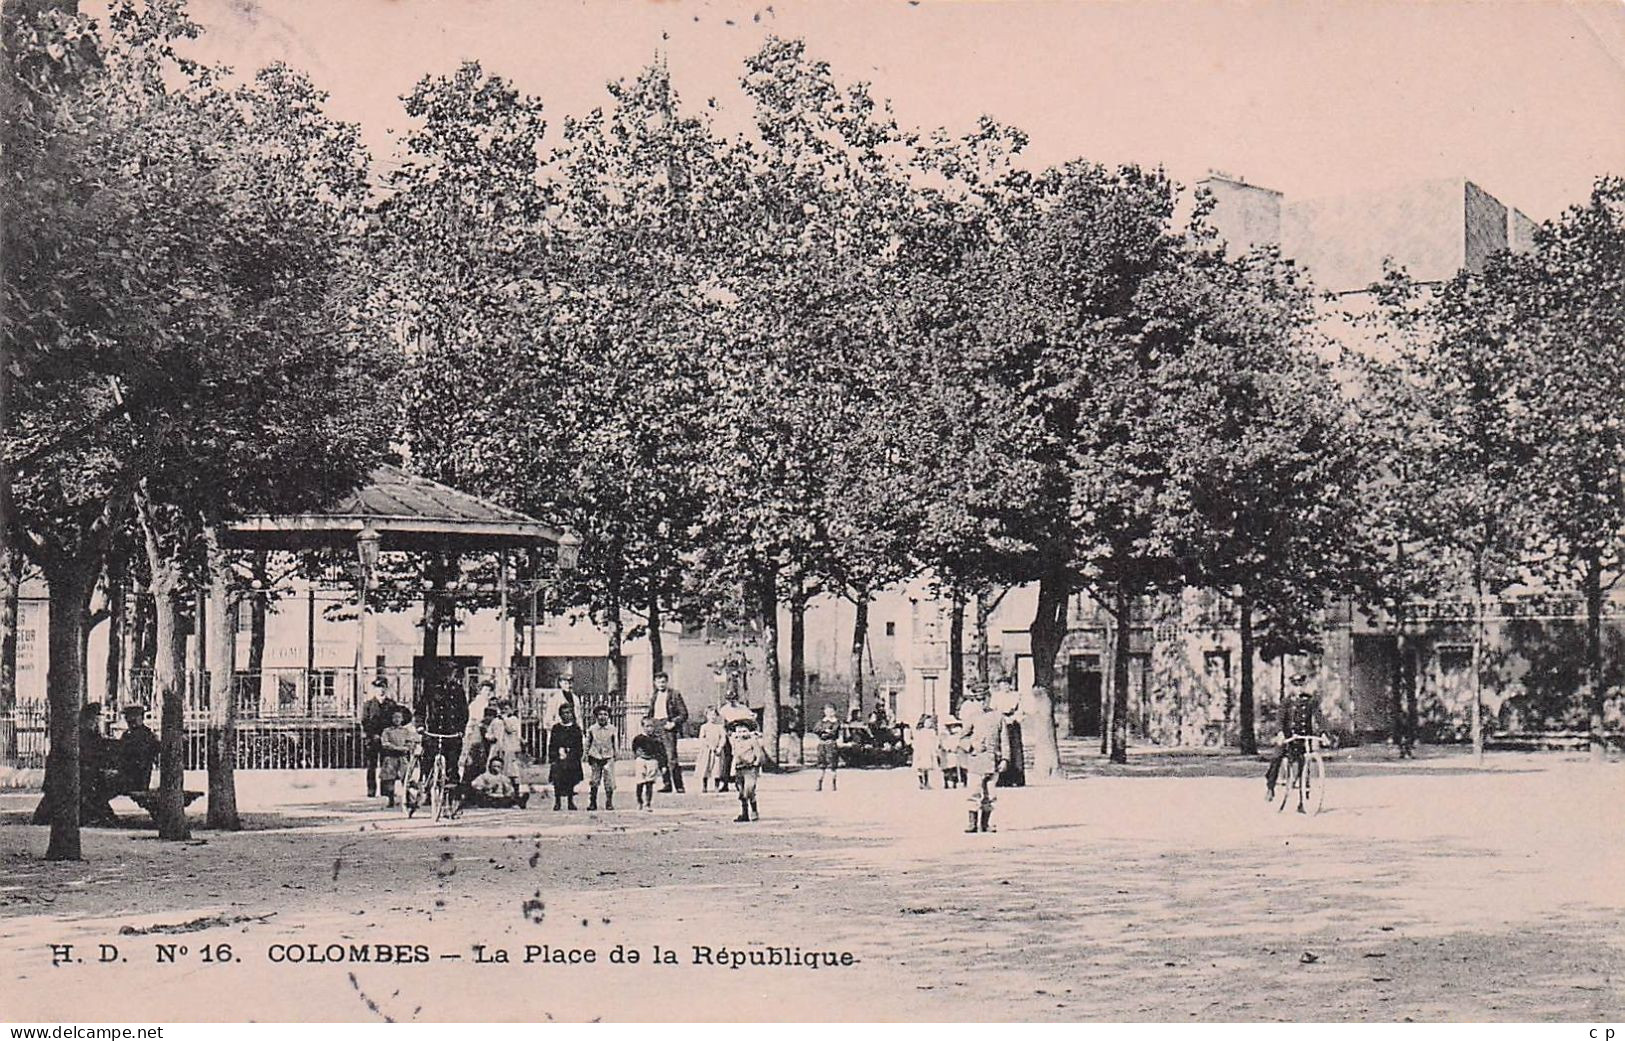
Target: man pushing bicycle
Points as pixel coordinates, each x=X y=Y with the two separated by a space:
x=1300 y=718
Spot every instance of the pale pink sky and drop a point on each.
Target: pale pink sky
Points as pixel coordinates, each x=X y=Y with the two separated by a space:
x=1527 y=99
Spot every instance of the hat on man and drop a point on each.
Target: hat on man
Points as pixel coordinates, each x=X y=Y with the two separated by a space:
x=135 y=711
x=380 y=681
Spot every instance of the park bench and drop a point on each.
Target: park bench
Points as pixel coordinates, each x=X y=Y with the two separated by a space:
x=147 y=799
x=1544 y=740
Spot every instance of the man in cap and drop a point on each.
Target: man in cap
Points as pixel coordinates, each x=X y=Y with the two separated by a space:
x=97 y=769
x=1300 y=717
x=565 y=695
x=376 y=713
x=138 y=751
x=979 y=737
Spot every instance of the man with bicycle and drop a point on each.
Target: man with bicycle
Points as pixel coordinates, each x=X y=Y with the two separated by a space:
x=445 y=717
x=1300 y=717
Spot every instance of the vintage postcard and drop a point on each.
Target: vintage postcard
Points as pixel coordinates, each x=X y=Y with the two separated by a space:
x=861 y=510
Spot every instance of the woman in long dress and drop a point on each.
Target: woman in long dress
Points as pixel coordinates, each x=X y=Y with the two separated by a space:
x=564 y=753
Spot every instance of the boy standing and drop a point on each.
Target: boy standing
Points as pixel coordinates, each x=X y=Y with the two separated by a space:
x=648 y=755
x=828 y=730
x=748 y=755
x=601 y=749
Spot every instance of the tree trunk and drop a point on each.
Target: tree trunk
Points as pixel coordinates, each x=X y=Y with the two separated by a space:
x=71 y=583
x=168 y=687
x=1596 y=692
x=798 y=667
x=143 y=638
x=1120 y=663
x=11 y=576
x=439 y=572
x=860 y=637
x=1248 y=736
x=1413 y=720
x=222 y=750
x=769 y=607
x=169 y=690
x=259 y=605
x=1396 y=707
x=956 y=648
x=1106 y=703
x=657 y=644
x=1478 y=669
x=11 y=573
x=113 y=693
x=1047 y=631
x=617 y=664
x=984 y=614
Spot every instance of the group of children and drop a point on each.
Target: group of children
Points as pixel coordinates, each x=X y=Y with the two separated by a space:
x=942 y=752
x=490 y=775
x=731 y=754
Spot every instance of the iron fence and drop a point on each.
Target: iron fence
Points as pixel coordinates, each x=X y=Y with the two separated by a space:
x=24 y=737
x=292 y=719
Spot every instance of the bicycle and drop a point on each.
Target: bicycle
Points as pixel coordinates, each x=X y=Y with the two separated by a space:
x=437 y=787
x=1306 y=775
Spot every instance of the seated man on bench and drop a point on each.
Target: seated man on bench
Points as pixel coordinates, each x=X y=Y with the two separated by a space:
x=135 y=755
x=137 y=751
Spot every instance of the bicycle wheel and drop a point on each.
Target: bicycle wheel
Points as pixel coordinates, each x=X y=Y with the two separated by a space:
x=437 y=787
x=1292 y=768
x=1314 y=783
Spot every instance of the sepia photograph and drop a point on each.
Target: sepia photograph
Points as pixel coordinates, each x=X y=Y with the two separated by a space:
x=812 y=511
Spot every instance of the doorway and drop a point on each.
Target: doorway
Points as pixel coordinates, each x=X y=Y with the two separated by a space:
x=1083 y=690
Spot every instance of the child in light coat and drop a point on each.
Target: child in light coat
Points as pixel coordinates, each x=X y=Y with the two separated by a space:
x=926 y=748
x=709 y=763
x=948 y=753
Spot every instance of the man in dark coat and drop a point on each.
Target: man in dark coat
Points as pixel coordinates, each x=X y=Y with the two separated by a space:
x=138 y=751
x=376 y=712
x=1300 y=717
x=445 y=718
x=98 y=768
x=671 y=714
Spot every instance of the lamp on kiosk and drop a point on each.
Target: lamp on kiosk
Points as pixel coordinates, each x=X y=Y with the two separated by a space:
x=366 y=551
x=569 y=551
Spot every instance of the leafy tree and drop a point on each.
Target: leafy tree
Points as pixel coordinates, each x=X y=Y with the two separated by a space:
x=181 y=297
x=1571 y=309
x=1463 y=358
x=960 y=433
x=1265 y=504
x=643 y=189
x=1079 y=341
x=791 y=496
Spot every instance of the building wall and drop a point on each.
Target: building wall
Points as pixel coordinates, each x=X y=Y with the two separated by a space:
x=1520 y=232
x=1343 y=241
x=1245 y=215
x=1485 y=229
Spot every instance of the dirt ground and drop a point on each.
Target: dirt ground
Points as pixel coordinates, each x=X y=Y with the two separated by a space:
x=1166 y=890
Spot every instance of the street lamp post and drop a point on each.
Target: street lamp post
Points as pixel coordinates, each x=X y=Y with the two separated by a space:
x=568 y=555
x=366 y=550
